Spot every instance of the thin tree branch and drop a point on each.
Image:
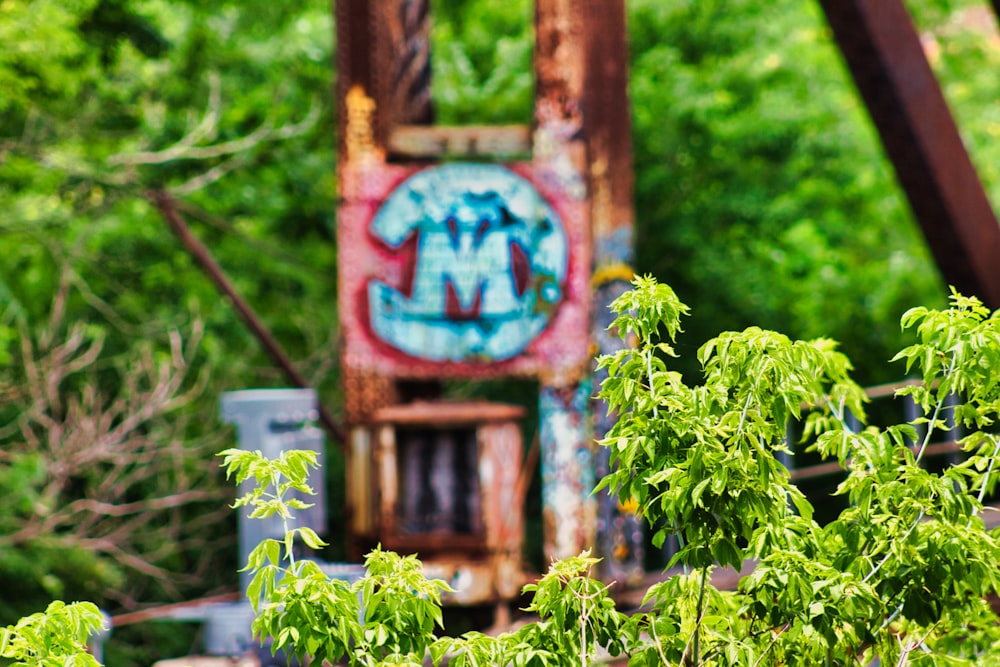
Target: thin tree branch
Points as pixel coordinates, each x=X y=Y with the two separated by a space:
x=206 y=128
x=165 y=204
x=185 y=149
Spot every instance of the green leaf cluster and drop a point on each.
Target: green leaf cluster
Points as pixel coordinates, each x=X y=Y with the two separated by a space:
x=56 y=637
x=892 y=574
x=705 y=459
x=387 y=617
x=754 y=161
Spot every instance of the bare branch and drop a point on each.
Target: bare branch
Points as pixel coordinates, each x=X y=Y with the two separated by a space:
x=121 y=475
x=147 y=505
x=186 y=148
x=206 y=129
x=208 y=177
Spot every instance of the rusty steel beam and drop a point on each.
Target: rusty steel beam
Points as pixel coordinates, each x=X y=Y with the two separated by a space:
x=885 y=57
x=608 y=135
x=608 y=130
x=569 y=509
x=409 y=26
x=383 y=50
x=355 y=68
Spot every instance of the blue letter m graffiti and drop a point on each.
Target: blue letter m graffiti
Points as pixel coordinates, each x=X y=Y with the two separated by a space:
x=485 y=278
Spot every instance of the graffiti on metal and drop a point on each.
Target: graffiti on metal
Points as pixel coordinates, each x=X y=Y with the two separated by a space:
x=488 y=256
x=569 y=507
x=462 y=269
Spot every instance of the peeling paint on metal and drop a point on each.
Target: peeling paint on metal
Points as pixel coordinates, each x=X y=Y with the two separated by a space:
x=569 y=508
x=619 y=531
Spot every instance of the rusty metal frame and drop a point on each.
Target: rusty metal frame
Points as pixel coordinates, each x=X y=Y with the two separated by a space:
x=492 y=552
x=886 y=59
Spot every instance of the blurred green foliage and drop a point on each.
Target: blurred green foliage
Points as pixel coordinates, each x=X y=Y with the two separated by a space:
x=762 y=195
x=762 y=189
x=100 y=102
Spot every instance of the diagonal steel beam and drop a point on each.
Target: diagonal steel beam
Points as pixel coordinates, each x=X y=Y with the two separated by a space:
x=885 y=57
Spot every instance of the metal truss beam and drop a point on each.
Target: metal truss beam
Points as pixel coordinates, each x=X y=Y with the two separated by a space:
x=886 y=59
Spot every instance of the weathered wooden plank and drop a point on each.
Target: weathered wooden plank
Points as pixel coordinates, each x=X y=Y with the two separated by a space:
x=433 y=142
x=885 y=57
x=445 y=413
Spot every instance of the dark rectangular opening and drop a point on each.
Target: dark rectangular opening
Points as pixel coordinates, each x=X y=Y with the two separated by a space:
x=438 y=477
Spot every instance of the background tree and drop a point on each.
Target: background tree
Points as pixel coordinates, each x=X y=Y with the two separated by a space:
x=762 y=194
x=762 y=188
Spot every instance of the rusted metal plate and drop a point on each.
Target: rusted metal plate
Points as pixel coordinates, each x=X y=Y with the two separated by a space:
x=364 y=393
x=503 y=142
x=462 y=270
x=884 y=54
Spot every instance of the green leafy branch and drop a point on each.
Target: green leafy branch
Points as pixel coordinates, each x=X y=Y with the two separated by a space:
x=386 y=617
x=703 y=461
x=56 y=637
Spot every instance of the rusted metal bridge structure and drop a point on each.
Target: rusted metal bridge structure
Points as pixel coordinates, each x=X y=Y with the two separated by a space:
x=887 y=60
x=493 y=252
x=481 y=253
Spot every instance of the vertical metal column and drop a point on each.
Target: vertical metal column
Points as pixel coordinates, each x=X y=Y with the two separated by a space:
x=559 y=154
x=569 y=509
x=608 y=132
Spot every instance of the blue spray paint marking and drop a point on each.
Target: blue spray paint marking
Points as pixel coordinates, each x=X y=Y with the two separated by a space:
x=490 y=265
x=569 y=508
